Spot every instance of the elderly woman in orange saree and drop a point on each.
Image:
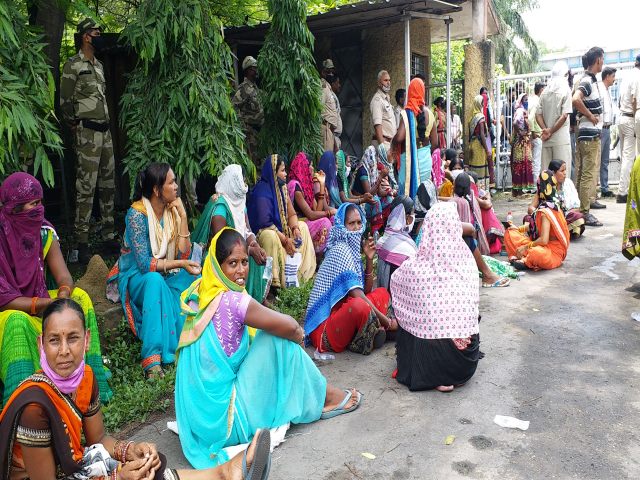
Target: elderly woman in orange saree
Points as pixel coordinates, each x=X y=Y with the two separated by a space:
x=543 y=244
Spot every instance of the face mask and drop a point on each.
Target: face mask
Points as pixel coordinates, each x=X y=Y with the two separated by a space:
x=455 y=173
x=409 y=228
x=525 y=105
x=347 y=171
x=281 y=182
x=98 y=42
x=65 y=384
x=386 y=89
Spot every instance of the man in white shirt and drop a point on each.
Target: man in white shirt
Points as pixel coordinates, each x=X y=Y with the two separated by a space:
x=608 y=77
x=536 y=131
x=456 y=127
x=552 y=115
x=628 y=127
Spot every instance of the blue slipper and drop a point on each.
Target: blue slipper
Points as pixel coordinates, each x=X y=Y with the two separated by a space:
x=339 y=410
x=261 y=458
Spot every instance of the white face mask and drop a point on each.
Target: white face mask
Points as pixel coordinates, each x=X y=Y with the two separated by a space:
x=455 y=173
x=347 y=171
x=409 y=227
x=386 y=89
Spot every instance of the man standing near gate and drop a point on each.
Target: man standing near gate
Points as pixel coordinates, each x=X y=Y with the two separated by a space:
x=587 y=100
x=536 y=131
x=330 y=114
x=629 y=127
x=84 y=107
x=247 y=102
x=608 y=77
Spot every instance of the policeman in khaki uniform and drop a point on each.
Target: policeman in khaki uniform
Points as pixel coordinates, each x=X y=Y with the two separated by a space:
x=330 y=113
x=84 y=107
x=382 y=114
x=249 y=107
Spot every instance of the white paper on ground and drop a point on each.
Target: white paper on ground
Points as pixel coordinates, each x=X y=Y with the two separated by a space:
x=511 y=422
x=277 y=437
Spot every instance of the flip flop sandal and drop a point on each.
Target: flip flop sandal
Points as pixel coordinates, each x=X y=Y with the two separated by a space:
x=340 y=410
x=503 y=282
x=261 y=458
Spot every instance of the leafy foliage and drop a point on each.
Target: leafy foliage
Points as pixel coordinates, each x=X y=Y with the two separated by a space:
x=134 y=397
x=177 y=107
x=293 y=301
x=27 y=118
x=290 y=83
x=439 y=69
x=515 y=48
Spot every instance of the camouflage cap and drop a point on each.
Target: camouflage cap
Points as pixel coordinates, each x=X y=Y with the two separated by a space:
x=328 y=64
x=249 y=62
x=88 y=24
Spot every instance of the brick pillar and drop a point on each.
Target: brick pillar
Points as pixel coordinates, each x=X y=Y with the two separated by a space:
x=479 y=67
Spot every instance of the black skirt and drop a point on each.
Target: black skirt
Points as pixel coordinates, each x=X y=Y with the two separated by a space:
x=424 y=364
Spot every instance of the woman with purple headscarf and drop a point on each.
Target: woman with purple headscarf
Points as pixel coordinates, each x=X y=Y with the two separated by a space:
x=29 y=249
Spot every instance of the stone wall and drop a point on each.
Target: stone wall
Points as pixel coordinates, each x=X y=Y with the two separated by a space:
x=383 y=49
x=479 y=62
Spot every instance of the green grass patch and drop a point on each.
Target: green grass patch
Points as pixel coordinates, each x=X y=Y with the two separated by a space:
x=294 y=300
x=134 y=397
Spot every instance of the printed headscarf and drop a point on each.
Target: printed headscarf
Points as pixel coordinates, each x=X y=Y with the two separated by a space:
x=299 y=175
x=435 y=293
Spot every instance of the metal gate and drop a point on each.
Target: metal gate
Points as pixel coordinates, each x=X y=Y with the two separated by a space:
x=503 y=110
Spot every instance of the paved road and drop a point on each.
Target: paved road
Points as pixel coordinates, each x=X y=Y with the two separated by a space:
x=561 y=351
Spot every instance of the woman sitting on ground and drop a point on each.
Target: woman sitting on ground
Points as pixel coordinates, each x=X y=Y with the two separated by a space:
x=493 y=228
x=473 y=233
x=227 y=208
x=396 y=245
x=469 y=208
x=454 y=167
x=154 y=267
x=437 y=344
x=367 y=179
x=568 y=198
x=311 y=208
x=56 y=413
x=344 y=310
x=29 y=247
x=336 y=168
x=225 y=390
x=544 y=243
x=279 y=231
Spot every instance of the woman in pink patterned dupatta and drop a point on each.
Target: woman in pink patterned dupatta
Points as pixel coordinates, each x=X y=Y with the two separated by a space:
x=435 y=298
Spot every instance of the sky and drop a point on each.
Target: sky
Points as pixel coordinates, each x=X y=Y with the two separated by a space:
x=562 y=23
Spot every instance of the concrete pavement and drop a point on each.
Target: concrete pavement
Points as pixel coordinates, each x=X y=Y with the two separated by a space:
x=561 y=351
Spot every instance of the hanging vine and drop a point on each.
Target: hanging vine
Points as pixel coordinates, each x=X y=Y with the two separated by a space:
x=290 y=83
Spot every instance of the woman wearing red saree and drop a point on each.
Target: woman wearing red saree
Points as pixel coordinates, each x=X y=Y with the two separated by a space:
x=543 y=245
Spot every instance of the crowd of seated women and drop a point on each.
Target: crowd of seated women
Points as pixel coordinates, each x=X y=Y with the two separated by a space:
x=201 y=300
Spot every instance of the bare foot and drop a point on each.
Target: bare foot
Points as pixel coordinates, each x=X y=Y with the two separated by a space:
x=335 y=396
x=445 y=388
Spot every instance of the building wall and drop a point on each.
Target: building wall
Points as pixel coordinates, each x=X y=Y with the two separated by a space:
x=383 y=49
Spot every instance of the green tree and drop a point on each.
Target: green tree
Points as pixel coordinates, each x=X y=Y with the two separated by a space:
x=27 y=91
x=439 y=70
x=516 y=50
x=290 y=83
x=176 y=107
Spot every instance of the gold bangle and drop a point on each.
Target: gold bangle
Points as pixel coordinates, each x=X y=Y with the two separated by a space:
x=64 y=287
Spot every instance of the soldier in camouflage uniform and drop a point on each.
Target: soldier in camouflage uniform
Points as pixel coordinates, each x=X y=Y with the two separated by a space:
x=249 y=108
x=84 y=107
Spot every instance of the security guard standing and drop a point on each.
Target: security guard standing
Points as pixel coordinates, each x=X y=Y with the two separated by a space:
x=84 y=107
x=249 y=107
